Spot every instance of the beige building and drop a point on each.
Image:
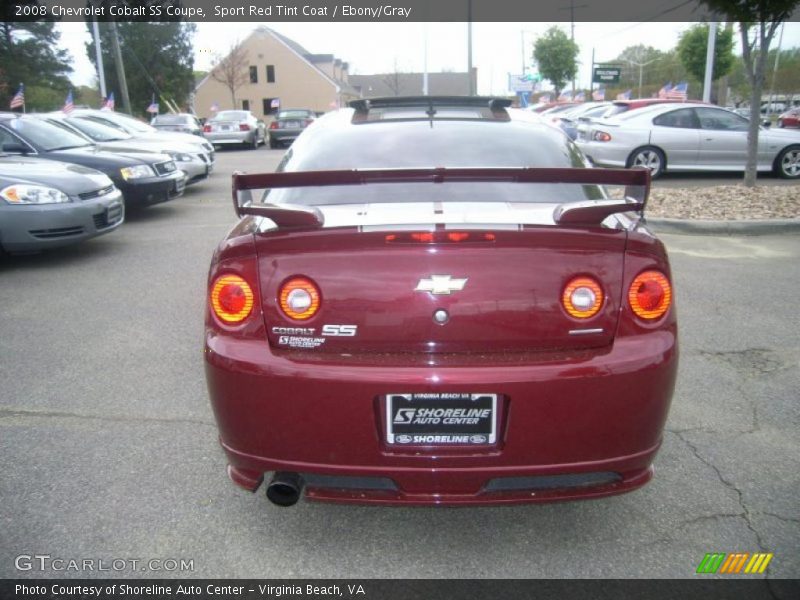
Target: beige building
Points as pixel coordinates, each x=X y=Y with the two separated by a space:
x=279 y=72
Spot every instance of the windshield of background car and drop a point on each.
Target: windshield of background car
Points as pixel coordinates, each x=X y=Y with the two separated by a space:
x=129 y=124
x=294 y=114
x=48 y=137
x=230 y=115
x=97 y=131
x=171 y=120
x=426 y=144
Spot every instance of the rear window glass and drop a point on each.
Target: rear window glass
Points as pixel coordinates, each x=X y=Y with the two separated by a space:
x=426 y=144
x=294 y=114
x=231 y=115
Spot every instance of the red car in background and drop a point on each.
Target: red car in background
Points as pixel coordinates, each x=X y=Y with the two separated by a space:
x=424 y=307
x=791 y=118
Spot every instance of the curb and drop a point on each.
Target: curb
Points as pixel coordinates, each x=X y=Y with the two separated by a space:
x=743 y=227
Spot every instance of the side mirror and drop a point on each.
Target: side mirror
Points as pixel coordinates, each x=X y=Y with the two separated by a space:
x=14 y=148
x=766 y=123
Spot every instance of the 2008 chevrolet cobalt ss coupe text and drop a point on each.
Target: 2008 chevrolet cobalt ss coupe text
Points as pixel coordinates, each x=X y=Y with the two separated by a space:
x=436 y=301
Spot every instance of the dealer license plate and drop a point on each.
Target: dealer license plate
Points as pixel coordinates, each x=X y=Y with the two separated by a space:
x=441 y=419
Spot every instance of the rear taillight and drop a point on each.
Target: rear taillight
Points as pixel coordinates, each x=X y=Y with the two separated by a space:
x=582 y=297
x=601 y=136
x=274 y=125
x=299 y=298
x=231 y=299
x=207 y=128
x=244 y=127
x=650 y=295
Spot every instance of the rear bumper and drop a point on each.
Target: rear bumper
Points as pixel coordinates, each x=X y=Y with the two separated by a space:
x=222 y=138
x=605 y=154
x=584 y=417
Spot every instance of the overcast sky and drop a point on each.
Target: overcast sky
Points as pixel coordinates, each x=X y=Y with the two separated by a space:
x=377 y=47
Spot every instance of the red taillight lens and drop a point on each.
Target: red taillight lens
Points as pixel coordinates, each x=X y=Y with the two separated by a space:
x=440 y=237
x=231 y=299
x=601 y=136
x=650 y=295
x=582 y=298
x=244 y=127
x=273 y=125
x=299 y=298
x=207 y=128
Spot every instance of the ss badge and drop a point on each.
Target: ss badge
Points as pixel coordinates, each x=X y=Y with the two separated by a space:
x=339 y=330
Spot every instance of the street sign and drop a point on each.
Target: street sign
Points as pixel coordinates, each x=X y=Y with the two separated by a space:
x=606 y=74
x=520 y=83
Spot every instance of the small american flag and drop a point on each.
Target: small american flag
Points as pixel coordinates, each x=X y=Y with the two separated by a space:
x=19 y=98
x=679 y=92
x=153 y=108
x=69 y=105
x=580 y=97
x=214 y=107
x=662 y=93
x=565 y=96
x=109 y=103
x=545 y=99
x=599 y=95
x=625 y=95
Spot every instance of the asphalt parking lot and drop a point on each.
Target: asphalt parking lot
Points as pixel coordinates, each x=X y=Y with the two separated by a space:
x=109 y=446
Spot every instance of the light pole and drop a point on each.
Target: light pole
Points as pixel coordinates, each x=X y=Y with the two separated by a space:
x=641 y=67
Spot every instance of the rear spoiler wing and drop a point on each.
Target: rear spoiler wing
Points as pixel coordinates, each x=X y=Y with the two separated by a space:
x=590 y=212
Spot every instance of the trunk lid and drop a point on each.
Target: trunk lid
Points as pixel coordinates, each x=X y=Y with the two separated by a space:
x=381 y=296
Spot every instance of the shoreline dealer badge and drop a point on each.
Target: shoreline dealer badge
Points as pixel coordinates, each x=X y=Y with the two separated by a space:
x=441 y=419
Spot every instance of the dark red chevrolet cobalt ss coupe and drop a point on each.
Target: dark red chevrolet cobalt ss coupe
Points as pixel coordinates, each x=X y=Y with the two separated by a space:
x=437 y=301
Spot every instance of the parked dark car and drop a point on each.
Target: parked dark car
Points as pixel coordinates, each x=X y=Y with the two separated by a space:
x=180 y=122
x=289 y=124
x=435 y=302
x=143 y=178
x=48 y=204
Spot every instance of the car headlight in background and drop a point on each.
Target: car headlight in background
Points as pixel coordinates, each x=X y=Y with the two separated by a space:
x=136 y=172
x=33 y=194
x=181 y=157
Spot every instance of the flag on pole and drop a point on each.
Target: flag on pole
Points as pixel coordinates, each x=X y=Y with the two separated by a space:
x=679 y=92
x=566 y=96
x=214 y=107
x=599 y=95
x=662 y=93
x=153 y=107
x=625 y=95
x=580 y=97
x=545 y=99
x=109 y=102
x=69 y=105
x=19 y=98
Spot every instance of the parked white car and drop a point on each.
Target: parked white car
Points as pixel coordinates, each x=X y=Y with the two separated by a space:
x=687 y=137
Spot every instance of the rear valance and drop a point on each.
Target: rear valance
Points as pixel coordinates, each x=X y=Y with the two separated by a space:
x=591 y=212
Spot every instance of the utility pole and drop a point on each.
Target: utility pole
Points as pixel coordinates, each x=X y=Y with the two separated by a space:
x=469 y=48
x=571 y=8
x=770 y=104
x=712 y=40
x=425 y=65
x=722 y=88
x=101 y=74
x=123 y=84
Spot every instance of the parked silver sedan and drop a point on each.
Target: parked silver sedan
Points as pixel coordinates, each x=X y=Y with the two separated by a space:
x=687 y=137
x=235 y=127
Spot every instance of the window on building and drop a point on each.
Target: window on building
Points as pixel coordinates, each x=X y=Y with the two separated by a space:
x=253 y=74
x=245 y=104
x=270 y=105
x=270 y=73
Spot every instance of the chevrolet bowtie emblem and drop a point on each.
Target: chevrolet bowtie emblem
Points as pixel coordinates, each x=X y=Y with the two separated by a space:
x=440 y=284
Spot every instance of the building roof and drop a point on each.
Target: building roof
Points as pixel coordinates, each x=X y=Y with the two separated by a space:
x=410 y=84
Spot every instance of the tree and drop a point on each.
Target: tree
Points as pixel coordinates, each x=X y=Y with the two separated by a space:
x=231 y=70
x=692 y=50
x=556 y=56
x=29 y=54
x=760 y=20
x=158 y=58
